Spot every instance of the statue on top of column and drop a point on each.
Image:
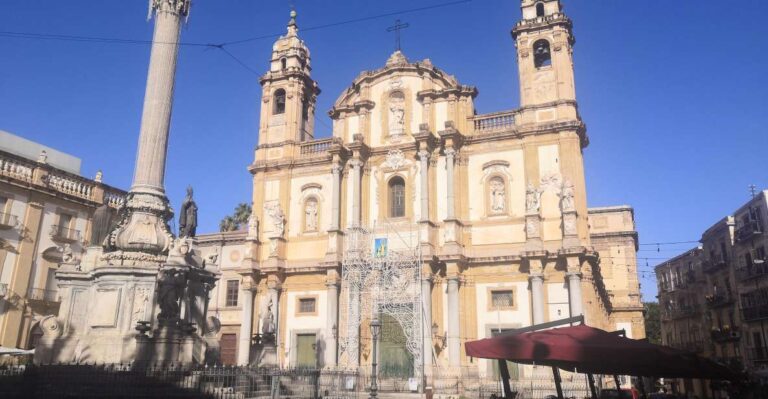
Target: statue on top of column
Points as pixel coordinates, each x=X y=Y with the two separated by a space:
x=188 y=216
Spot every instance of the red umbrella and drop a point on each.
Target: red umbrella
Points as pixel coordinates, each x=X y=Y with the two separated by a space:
x=591 y=350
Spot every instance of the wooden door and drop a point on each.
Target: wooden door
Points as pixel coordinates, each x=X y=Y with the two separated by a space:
x=228 y=348
x=306 y=355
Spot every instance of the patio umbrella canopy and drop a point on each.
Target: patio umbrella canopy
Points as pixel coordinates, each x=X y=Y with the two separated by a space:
x=590 y=350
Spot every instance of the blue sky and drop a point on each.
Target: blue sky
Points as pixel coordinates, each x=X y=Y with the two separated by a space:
x=673 y=92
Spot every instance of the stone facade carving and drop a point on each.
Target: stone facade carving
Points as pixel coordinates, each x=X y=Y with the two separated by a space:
x=277 y=217
x=310 y=215
x=395 y=159
x=253 y=226
x=140 y=301
x=396 y=113
x=531 y=229
x=498 y=197
x=180 y=7
x=268 y=320
x=566 y=196
x=532 y=199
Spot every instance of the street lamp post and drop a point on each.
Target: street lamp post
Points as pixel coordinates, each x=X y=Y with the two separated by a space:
x=375 y=327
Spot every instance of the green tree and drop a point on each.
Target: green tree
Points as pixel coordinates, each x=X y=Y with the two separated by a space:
x=652 y=322
x=238 y=220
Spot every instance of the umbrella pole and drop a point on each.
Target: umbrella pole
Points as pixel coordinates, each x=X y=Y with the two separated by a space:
x=556 y=373
x=592 y=389
x=504 y=371
x=618 y=386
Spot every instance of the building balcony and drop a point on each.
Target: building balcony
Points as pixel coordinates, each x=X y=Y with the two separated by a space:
x=714 y=264
x=43 y=295
x=757 y=355
x=725 y=334
x=748 y=230
x=692 y=346
x=715 y=301
x=732 y=362
x=8 y=221
x=754 y=312
x=757 y=269
x=64 y=234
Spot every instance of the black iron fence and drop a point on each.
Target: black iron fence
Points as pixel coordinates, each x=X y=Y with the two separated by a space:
x=231 y=382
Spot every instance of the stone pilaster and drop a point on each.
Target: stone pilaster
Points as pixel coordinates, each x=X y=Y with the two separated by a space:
x=247 y=287
x=424 y=180
x=336 y=170
x=355 y=177
x=453 y=336
x=450 y=155
x=574 y=293
x=332 y=319
x=426 y=301
x=537 y=297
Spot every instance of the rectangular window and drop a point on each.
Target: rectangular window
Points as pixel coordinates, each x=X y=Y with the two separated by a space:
x=502 y=299
x=233 y=289
x=307 y=305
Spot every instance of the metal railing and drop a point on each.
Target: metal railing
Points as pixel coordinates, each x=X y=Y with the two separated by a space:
x=17 y=169
x=752 y=271
x=754 y=312
x=725 y=334
x=757 y=355
x=42 y=294
x=748 y=230
x=61 y=233
x=494 y=122
x=718 y=300
x=714 y=263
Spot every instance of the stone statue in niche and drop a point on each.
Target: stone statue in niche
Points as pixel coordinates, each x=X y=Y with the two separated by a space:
x=532 y=198
x=268 y=321
x=530 y=228
x=396 y=113
x=101 y=225
x=170 y=286
x=310 y=215
x=498 y=195
x=566 y=196
x=253 y=225
x=188 y=216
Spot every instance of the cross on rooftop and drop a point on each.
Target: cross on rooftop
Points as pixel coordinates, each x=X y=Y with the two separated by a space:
x=397 y=27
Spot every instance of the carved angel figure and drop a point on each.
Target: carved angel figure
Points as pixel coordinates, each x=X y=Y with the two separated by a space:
x=278 y=220
x=396 y=113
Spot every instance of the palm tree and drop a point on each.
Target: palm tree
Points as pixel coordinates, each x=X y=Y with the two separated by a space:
x=227 y=224
x=241 y=215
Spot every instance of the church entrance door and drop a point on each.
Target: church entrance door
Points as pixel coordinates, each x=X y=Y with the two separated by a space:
x=396 y=361
x=228 y=349
x=305 y=351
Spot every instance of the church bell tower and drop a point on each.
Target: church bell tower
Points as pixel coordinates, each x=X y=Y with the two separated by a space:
x=544 y=41
x=288 y=92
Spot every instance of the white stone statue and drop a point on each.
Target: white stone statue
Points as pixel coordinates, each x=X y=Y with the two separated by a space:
x=310 y=215
x=532 y=197
x=253 y=225
x=498 y=195
x=396 y=113
x=566 y=196
x=530 y=228
x=268 y=321
x=278 y=220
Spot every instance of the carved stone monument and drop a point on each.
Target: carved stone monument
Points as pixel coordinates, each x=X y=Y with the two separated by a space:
x=142 y=297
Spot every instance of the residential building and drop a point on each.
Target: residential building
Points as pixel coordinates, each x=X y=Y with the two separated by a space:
x=45 y=213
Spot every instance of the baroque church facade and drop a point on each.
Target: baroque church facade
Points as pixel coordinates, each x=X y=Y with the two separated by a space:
x=472 y=223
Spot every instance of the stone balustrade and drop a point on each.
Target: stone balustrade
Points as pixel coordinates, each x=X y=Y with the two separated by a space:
x=494 y=122
x=16 y=168
x=42 y=175
x=317 y=147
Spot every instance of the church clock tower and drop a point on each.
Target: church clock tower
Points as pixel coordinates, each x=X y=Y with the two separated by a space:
x=289 y=93
x=544 y=41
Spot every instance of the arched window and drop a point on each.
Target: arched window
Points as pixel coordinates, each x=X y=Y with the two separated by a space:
x=539 y=9
x=396 y=197
x=541 y=55
x=279 y=102
x=283 y=63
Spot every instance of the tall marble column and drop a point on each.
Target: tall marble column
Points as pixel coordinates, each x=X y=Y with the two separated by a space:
x=246 y=324
x=424 y=177
x=450 y=155
x=146 y=227
x=356 y=165
x=574 y=294
x=331 y=322
x=336 y=197
x=452 y=332
x=537 y=297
